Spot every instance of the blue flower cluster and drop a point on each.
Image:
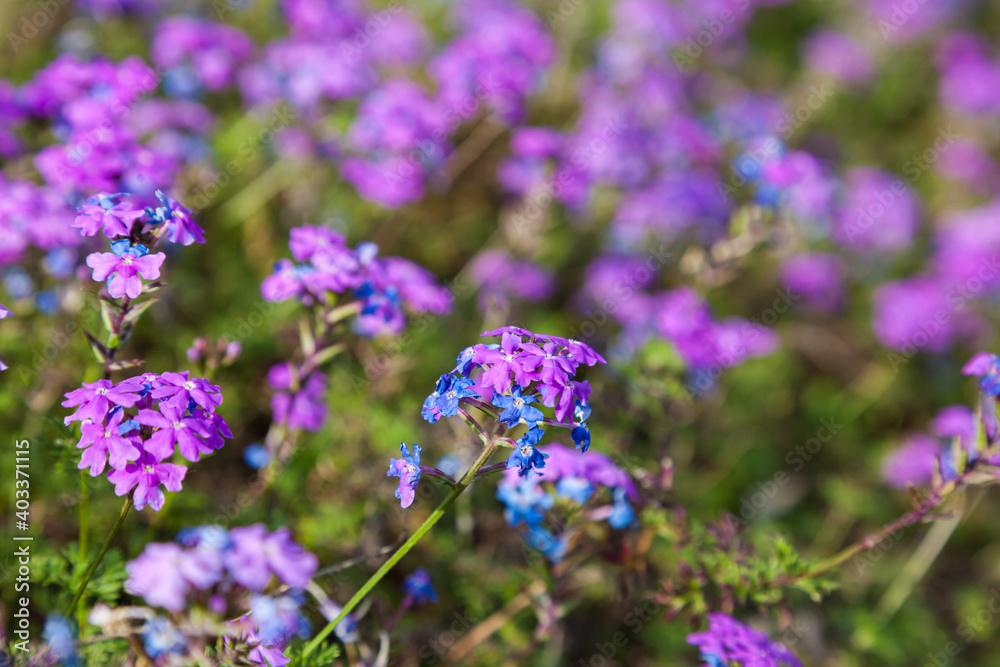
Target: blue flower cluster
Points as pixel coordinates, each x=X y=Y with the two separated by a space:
x=566 y=477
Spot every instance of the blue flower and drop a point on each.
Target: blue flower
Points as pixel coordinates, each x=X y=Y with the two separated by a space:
x=161 y=637
x=60 y=637
x=407 y=469
x=256 y=456
x=453 y=390
x=553 y=548
x=581 y=436
x=464 y=363
x=525 y=503
x=581 y=412
x=418 y=586
x=986 y=366
x=525 y=456
x=430 y=411
x=517 y=407
x=622 y=515
x=211 y=537
x=576 y=489
x=278 y=619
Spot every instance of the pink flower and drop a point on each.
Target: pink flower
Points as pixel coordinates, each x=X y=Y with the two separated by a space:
x=145 y=476
x=125 y=271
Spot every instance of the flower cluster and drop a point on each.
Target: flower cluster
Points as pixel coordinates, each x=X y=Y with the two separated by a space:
x=572 y=479
x=523 y=370
x=132 y=232
x=198 y=54
x=218 y=568
x=136 y=425
x=957 y=435
x=381 y=285
x=729 y=642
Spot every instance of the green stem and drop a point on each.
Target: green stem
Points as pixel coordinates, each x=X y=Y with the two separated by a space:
x=918 y=514
x=100 y=554
x=84 y=525
x=425 y=527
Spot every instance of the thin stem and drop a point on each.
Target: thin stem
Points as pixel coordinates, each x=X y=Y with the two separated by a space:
x=908 y=519
x=100 y=554
x=474 y=425
x=84 y=524
x=434 y=472
x=496 y=467
x=425 y=527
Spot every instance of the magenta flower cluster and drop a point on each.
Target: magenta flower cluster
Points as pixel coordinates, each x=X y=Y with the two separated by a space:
x=133 y=231
x=217 y=569
x=727 y=642
x=135 y=426
x=381 y=285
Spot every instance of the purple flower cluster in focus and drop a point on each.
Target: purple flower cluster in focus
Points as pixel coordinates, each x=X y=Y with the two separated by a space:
x=135 y=427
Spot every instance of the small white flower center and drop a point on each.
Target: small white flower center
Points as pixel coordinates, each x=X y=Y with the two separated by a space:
x=508 y=357
x=518 y=402
x=147 y=468
x=525 y=450
x=127 y=260
x=411 y=468
x=101 y=392
x=177 y=425
x=189 y=385
x=452 y=394
x=107 y=434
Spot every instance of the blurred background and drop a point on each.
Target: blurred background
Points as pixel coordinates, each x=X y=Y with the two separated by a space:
x=777 y=220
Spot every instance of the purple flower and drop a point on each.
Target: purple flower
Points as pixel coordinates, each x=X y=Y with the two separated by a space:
x=986 y=367
x=125 y=271
x=500 y=278
x=817 y=277
x=180 y=227
x=908 y=316
x=970 y=75
x=211 y=50
x=880 y=212
x=407 y=469
x=175 y=428
x=182 y=389
x=502 y=362
x=145 y=476
x=727 y=641
x=565 y=398
x=914 y=462
x=96 y=398
x=105 y=444
x=547 y=364
x=102 y=212
x=838 y=55
x=256 y=554
x=163 y=573
x=304 y=409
